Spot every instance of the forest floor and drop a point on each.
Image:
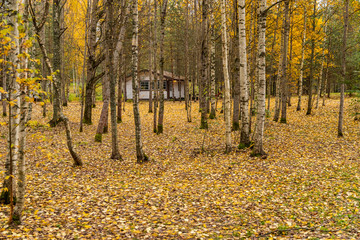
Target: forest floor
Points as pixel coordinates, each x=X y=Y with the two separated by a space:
x=306 y=188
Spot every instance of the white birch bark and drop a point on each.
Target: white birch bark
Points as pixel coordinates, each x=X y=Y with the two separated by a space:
x=244 y=83
x=260 y=117
x=226 y=77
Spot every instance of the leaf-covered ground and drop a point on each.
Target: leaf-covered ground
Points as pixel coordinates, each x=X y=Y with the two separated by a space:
x=305 y=188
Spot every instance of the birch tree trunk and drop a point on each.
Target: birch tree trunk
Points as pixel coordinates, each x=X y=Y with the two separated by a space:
x=56 y=18
x=38 y=27
x=312 y=56
x=88 y=10
x=244 y=83
x=103 y=120
x=156 y=76
x=212 y=62
x=187 y=59
x=150 y=61
x=115 y=154
x=343 y=74
x=227 y=111
x=260 y=117
x=298 y=108
x=284 y=76
x=141 y=157
x=8 y=191
x=160 y=126
x=279 y=77
x=203 y=91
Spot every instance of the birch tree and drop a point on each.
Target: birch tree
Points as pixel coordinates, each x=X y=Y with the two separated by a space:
x=300 y=84
x=343 y=66
x=284 y=63
x=203 y=91
x=225 y=50
x=141 y=157
x=160 y=126
x=260 y=117
x=115 y=154
x=244 y=83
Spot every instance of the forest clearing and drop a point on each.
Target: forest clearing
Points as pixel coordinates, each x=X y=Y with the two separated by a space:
x=179 y=119
x=307 y=183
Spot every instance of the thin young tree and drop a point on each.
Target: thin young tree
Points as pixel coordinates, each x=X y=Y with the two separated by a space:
x=160 y=125
x=343 y=66
x=312 y=60
x=9 y=189
x=284 y=63
x=212 y=62
x=141 y=157
x=300 y=84
x=204 y=64
x=187 y=65
x=225 y=50
x=244 y=83
x=115 y=154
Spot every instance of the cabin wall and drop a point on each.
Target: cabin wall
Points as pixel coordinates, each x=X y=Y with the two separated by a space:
x=144 y=94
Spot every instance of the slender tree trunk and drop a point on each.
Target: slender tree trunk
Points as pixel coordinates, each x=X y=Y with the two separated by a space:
x=212 y=62
x=156 y=75
x=56 y=62
x=272 y=70
x=226 y=78
x=88 y=10
x=103 y=121
x=162 y=61
x=141 y=157
x=187 y=100
x=204 y=66
x=302 y=64
x=121 y=81
x=150 y=61
x=115 y=154
x=9 y=189
x=236 y=74
x=343 y=65
x=260 y=118
x=92 y=62
x=244 y=83
x=308 y=112
x=284 y=76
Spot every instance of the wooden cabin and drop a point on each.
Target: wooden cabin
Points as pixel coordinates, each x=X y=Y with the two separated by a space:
x=174 y=86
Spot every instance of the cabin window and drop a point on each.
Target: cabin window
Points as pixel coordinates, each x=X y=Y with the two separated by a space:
x=158 y=85
x=144 y=85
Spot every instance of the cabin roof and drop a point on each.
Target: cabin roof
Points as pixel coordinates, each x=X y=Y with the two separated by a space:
x=168 y=75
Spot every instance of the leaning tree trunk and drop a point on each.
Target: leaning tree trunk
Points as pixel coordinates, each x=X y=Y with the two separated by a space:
x=50 y=69
x=160 y=126
x=343 y=74
x=227 y=110
x=244 y=83
x=260 y=117
x=302 y=64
